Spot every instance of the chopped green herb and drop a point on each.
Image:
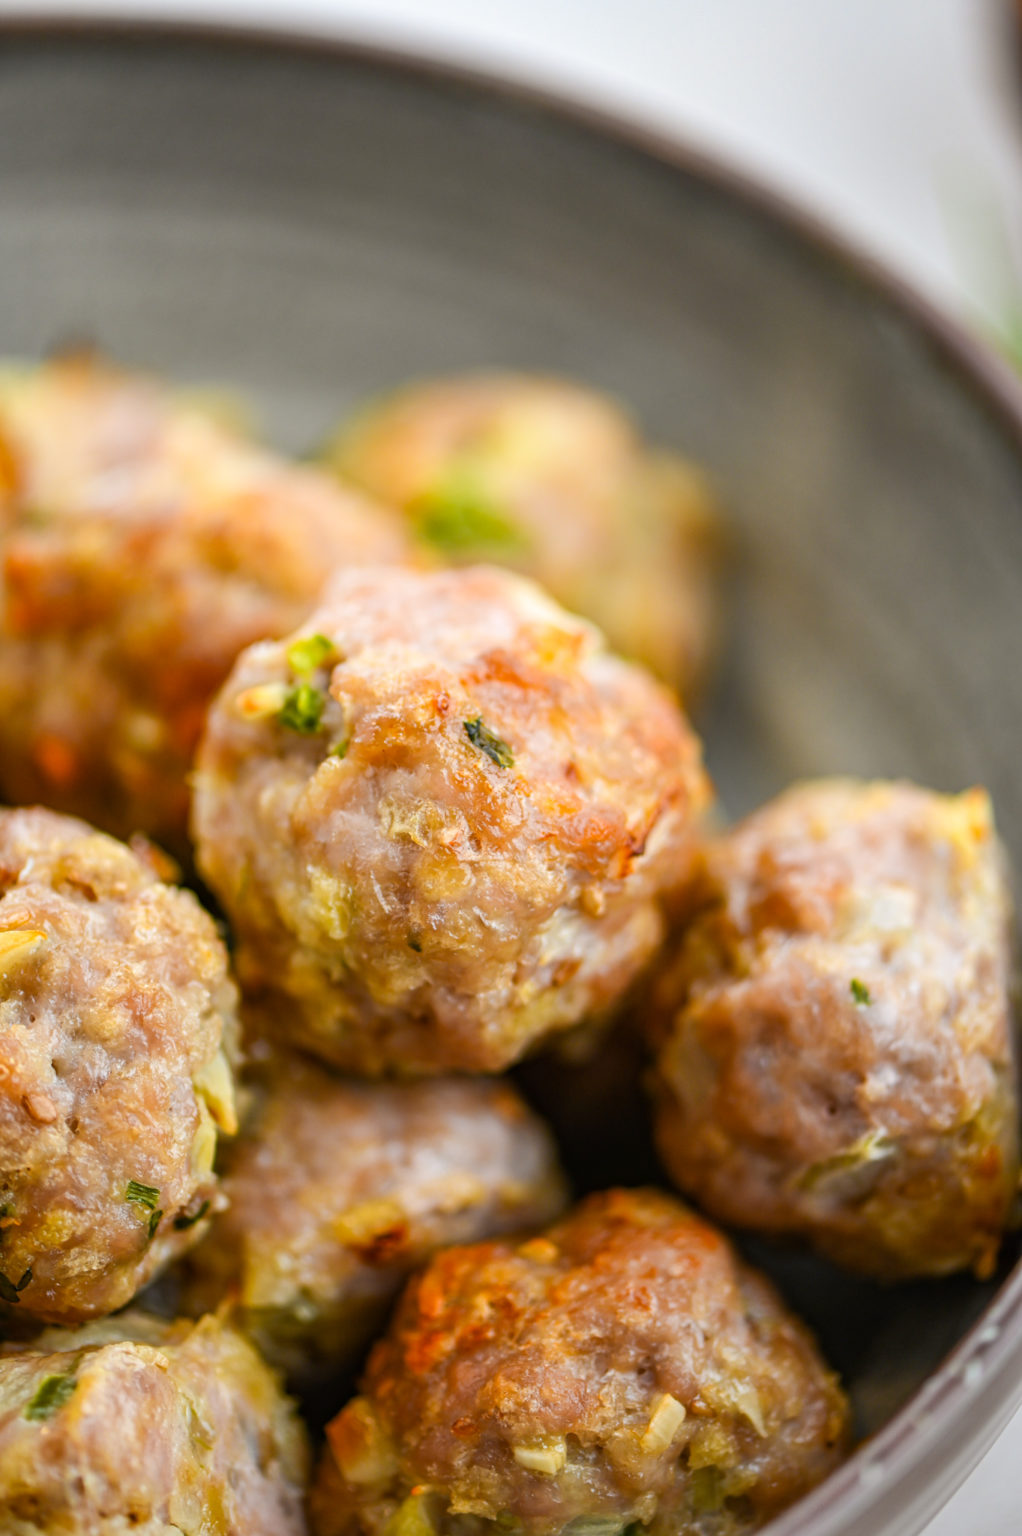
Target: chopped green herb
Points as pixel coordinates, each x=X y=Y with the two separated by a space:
x=459 y=519
x=142 y=1194
x=35 y=517
x=9 y=1291
x=51 y=1395
x=182 y=1223
x=340 y=748
x=871 y=1148
x=480 y=735
x=708 y=1490
x=302 y=710
x=860 y=992
x=145 y=1195
x=307 y=655
x=601 y=1525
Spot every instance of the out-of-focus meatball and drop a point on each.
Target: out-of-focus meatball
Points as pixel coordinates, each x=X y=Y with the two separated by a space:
x=441 y=820
x=624 y=1367
x=142 y=546
x=337 y=1190
x=836 y=1056
x=554 y=480
x=116 y=1020
x=150 y=1428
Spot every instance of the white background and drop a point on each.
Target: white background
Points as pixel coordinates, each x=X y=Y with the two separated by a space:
x=894 y=118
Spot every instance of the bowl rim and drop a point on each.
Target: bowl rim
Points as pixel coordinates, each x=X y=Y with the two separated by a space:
x=983 y=1372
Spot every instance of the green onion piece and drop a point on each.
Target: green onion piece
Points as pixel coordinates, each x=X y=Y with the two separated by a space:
x=302 y=710
x=480 y=735
x=51 y=1395
x=9 y=1291
x=154 y=1221
x=182 y=1223
x=459 y=519
x=708 y=1490
x=142 y=1194
x=307 y=655
x=860 y=992
x=871 y=1148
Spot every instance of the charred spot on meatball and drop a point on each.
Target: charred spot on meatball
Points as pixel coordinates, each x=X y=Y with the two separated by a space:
x=836 y=1057
x=467 y=846
x=622 y=1369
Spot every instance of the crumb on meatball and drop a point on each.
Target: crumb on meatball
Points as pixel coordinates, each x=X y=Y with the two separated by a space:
x=552 y=479
x=836 y=1040
x=337 y=1190
x=117 y=1024
x=140 y=1427
x=143 y=544
x=442 y=820
x=622 y=1367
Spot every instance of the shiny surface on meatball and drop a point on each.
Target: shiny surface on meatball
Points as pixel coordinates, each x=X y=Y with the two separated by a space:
x=441 y=820
x=624 y=1367
x=337 y=1190
x=117 y=1017
x=139 y=1426
x=836 y=1056
x=142 y=546
x=553 y=480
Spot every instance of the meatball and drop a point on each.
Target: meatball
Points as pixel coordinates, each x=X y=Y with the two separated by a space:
x=441 y=820
x=116 y=1020
x=624 y=1367
x=338 y=1190
x=554 y=480
x=142 y=546
x=140 y=1426
x=836 y=1037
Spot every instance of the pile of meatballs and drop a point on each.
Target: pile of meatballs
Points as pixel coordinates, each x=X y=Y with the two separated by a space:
x=347 y=813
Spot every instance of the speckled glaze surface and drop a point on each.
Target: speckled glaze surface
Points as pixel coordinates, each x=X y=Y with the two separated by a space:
x=314 y=223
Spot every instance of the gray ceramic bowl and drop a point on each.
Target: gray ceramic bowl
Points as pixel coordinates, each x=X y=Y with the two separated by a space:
x=317 y=223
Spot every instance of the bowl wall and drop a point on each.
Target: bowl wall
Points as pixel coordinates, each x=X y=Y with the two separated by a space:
x=314 y=225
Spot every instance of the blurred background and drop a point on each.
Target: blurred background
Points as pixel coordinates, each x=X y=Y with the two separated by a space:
x=899 y=122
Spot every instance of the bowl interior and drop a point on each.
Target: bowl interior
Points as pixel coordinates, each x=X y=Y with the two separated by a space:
x=316 y=228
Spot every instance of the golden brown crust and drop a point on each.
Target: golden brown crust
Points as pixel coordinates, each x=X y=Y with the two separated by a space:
x=468 y=850
x=117 y=1017
x=624 y=1366
x=143 y=545
x=553 y=480
x=836 y=1053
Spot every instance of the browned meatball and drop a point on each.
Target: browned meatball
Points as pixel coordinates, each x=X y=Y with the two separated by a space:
x=837 y=1040
x=552 y=479
x=142 y=546
x=116 y=1011
x=441 y=820
x=623 y=1367
x=338 y=1190
x=137 y=1427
